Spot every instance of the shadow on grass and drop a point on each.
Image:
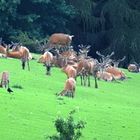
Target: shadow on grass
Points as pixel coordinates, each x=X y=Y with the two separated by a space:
x=17 y=86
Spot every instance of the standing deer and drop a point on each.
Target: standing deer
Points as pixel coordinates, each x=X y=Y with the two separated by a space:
x=59 y=41
x=22 y=53
x=46 y=58
x=85 y=65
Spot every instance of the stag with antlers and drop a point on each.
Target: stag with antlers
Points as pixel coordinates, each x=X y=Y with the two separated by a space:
x=106 y=60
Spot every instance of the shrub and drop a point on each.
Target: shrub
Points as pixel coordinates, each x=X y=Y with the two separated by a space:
x=68 y=129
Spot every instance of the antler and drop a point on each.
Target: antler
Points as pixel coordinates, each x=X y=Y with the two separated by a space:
x=98 y=53
x=120 y=60
x=108 y=56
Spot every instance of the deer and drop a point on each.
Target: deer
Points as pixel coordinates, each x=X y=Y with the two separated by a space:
x=133 y=68
x=69 y=88
x=18 y=47
x=22 y=54
x=117 y=62
x=59 y=60
x=116 y=73
x=83 y=51
x=70 y=71
x=59 y=40
x=70 y=53
x=2 y=48
x=85 y=65
x=46 y=58
x=106 y=76
x=4 y=79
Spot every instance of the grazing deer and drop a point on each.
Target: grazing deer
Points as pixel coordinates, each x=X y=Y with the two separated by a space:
x=69 y=89
x=46 y=58
x=4 y=79
x=59 y=40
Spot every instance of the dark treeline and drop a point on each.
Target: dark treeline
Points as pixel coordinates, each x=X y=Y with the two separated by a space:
x=106 y=25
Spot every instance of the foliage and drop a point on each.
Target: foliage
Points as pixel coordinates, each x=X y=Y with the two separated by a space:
x=67 y=128
x=110 y=25
x=107 y=25
x=35 y=18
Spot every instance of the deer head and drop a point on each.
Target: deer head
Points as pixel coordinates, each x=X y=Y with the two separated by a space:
x=84 y=49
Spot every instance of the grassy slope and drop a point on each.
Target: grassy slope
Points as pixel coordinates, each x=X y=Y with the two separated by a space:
x=112 y=112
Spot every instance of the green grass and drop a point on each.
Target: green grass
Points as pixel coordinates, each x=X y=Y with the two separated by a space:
x=112 y=112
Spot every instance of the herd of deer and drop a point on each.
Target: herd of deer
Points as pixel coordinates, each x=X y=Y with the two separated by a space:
x=58 y=52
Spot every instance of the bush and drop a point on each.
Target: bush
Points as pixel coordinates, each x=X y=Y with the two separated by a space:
x=68 y=129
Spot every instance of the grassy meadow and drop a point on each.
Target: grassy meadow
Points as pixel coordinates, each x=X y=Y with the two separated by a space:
x=112 y=112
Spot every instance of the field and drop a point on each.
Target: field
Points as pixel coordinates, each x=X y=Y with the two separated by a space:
x=112 y=111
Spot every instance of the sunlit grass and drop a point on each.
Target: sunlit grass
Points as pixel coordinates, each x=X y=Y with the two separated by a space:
x=112 y=111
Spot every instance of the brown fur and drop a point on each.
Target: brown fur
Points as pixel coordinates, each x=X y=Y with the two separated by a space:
x=22 y=54
x=2 y=49
x=117 y=74
x=85 y=69
x=105 y=76
x=59 y=39
x=70 y=71
x=4 y=79
x=69 y=89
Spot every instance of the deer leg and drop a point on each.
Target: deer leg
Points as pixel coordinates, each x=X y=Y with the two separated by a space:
x=73 y=91
x=81 y=77
x=28 y=65
x=23 y=65
x=8 y=83
x=48 y=70
x=85 y=79
x=88 y=80
x=96 y=84
x=63 y=92
x=5 y=84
